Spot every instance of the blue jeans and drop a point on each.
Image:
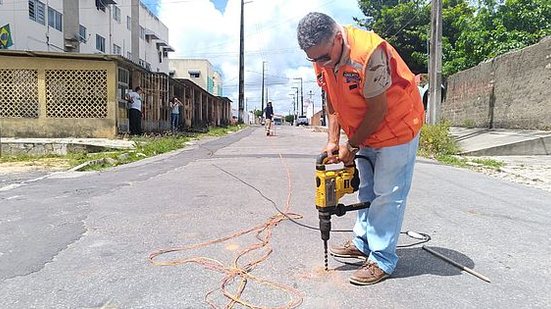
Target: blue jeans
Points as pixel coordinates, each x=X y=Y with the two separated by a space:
x=175 y=121
x=385 y=179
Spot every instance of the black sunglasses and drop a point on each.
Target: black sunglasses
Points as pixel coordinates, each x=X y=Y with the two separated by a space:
x=322 y=58
x=326 y=57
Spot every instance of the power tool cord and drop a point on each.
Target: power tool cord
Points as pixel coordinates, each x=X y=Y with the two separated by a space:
x=237 y=273
x=421 y=237
x=263 y=234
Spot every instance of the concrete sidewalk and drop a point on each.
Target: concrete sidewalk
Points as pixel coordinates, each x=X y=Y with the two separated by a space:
x=502 y=142
x=525 y=154
x=60 y=146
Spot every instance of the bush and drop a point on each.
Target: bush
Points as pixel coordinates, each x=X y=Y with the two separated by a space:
x=436 y=141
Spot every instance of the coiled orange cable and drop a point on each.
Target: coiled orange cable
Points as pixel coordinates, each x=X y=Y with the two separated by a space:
x=235 y=270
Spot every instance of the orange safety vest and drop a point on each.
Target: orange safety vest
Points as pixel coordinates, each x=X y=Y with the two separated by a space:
x=405 y=112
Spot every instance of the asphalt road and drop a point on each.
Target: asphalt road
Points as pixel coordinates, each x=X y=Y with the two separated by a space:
x=82 y=240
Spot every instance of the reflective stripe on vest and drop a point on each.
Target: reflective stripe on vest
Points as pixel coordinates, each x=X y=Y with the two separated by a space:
x=405 y=112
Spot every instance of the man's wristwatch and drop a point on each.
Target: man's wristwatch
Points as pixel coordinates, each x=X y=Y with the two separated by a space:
x=352 y=149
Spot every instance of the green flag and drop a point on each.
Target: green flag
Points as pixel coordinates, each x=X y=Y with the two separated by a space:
x=5 y=37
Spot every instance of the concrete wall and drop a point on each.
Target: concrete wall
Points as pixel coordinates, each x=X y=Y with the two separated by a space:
x=510 y=91
x=59 y=111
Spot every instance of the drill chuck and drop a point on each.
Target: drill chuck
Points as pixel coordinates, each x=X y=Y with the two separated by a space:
x=325 y=225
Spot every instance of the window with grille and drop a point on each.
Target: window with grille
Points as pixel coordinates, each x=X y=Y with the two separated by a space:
x=117 y=14
x=123 y=83
x=100 y=5
x=82 y=33
x=76 y=94
x=117 y=49
x=142 y=33
x=128 y=23
x=37 y=11
x=100 y=43
x=19 y=93
x=54 y=19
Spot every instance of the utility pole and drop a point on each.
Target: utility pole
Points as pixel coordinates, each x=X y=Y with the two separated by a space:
x=435 y=63
x=311 y=94
x=296 y=88
x=241 y=66
x=301 y=96
x=263 y=62
x=301 y=99
x=294 y=107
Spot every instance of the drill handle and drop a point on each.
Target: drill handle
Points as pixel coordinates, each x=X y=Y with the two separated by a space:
x=322 y=157
x=341 y=209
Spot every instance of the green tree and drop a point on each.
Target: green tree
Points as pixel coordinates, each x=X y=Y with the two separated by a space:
x=406 y=26
x=473 y=31
x=497 y=27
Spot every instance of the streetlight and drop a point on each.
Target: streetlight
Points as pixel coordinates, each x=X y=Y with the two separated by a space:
x=301 y=96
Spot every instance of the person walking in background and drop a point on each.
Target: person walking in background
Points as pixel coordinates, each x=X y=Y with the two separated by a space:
x=135 y=111
x=372 y=96
x=175 y=113
x=269 y=114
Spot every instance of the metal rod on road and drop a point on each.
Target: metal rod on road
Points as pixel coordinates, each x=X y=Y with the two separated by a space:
x=470 y=271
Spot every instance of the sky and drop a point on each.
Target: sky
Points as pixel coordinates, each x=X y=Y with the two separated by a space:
x=209 y=29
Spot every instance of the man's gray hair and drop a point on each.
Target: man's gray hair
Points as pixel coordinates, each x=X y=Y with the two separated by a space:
x=315 y=28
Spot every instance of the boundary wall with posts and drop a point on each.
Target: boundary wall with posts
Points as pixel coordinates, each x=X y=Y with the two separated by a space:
x=511 y=91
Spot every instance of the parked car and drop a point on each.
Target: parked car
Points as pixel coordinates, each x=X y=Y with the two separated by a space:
x=302 y=120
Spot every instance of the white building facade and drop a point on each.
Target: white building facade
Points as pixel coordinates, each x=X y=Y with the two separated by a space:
x=117 y=27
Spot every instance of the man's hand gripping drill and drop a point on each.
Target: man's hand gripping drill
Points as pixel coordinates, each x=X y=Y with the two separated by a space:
x=331 y=185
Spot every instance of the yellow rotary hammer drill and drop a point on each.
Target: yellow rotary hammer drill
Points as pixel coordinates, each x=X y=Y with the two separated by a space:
x=331 y=185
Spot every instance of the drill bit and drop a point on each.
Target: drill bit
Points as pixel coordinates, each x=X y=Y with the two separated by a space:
x=325 y=228
x=325 y=257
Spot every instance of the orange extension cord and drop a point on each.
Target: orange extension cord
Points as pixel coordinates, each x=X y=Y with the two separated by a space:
x=242 y=273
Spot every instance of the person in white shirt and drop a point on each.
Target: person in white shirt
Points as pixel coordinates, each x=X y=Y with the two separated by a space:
x=135 y=111
x=175 y=113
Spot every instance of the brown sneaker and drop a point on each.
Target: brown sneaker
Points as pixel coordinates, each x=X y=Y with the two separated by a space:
x=347 y=250
x=368 y=274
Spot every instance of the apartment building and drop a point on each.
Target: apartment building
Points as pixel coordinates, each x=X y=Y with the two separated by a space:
x=200 y=71
x=117 y=27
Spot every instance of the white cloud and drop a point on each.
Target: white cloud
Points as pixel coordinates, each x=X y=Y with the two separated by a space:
x=198 y=30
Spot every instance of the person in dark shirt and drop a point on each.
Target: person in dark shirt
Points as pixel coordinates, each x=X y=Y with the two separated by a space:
x=269 y=114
